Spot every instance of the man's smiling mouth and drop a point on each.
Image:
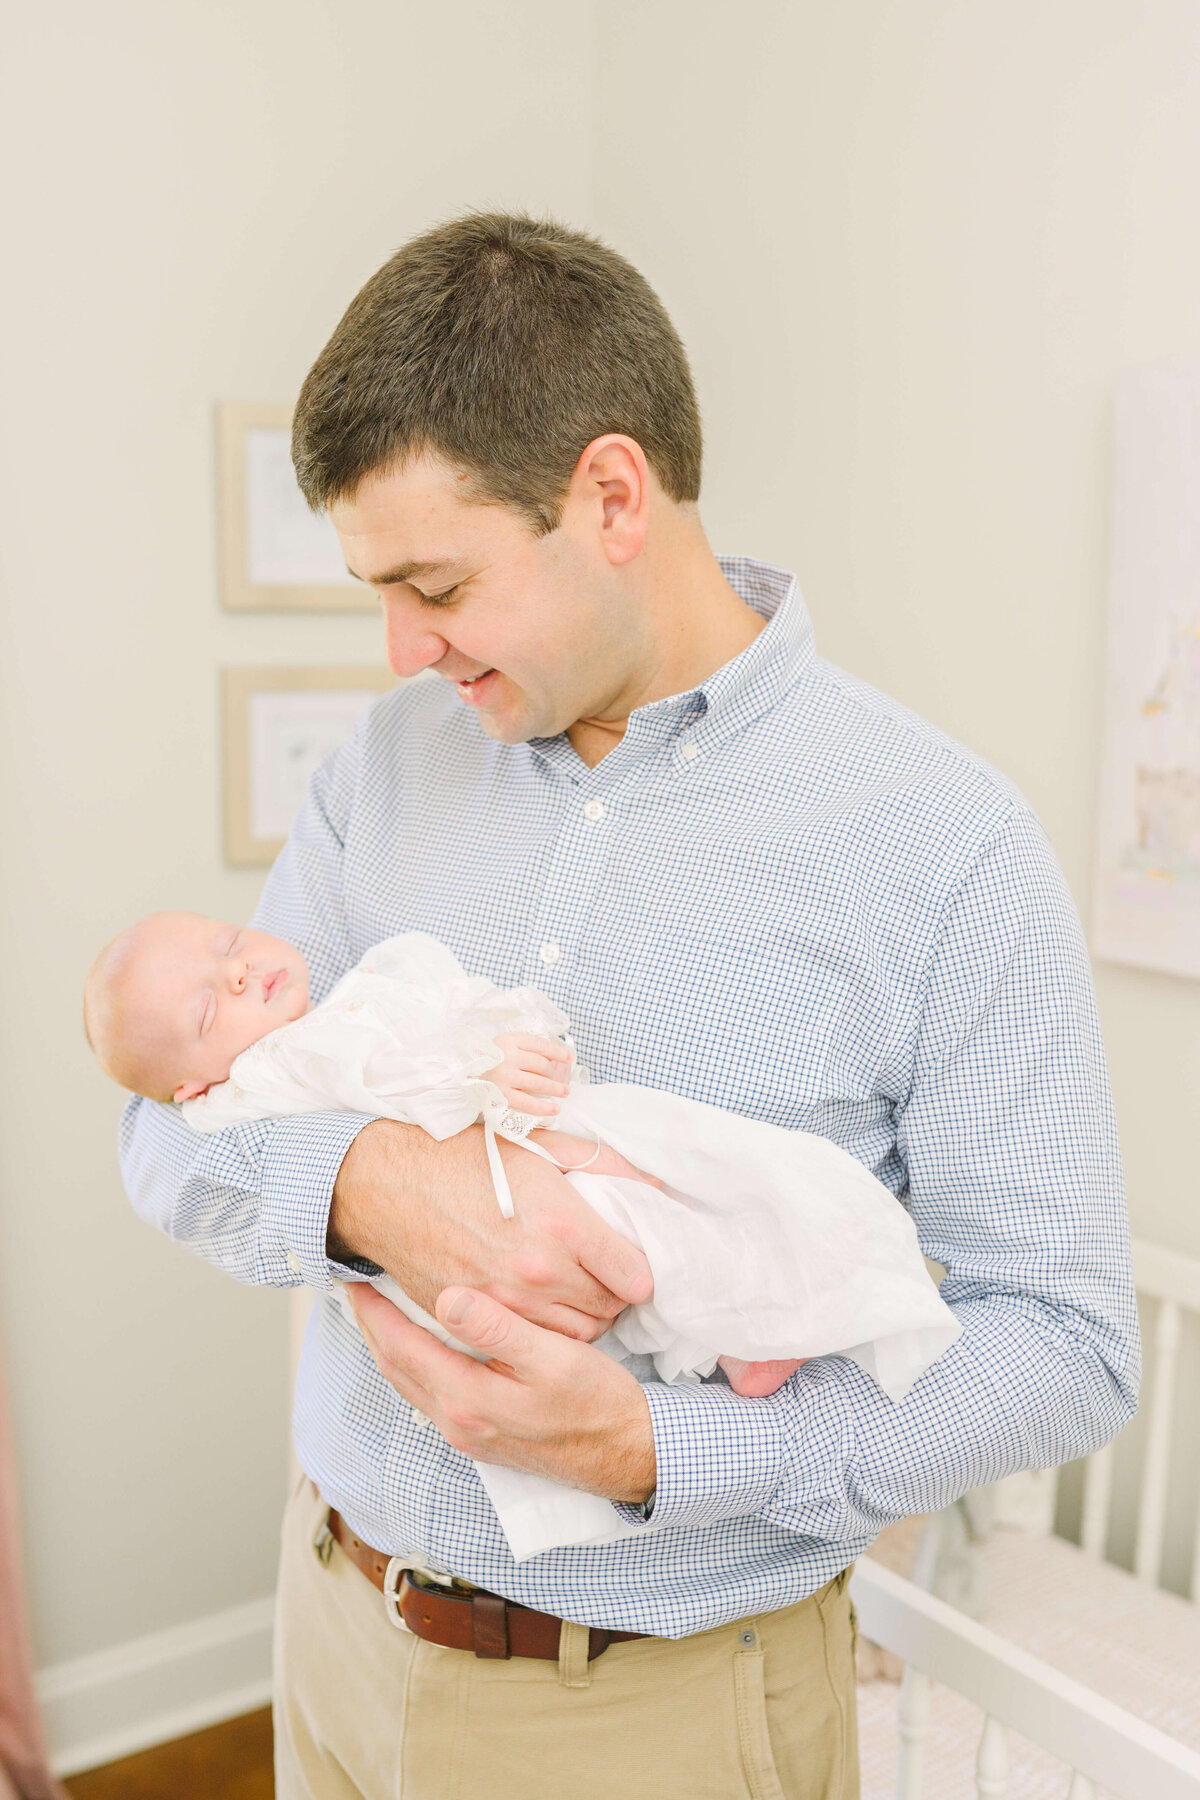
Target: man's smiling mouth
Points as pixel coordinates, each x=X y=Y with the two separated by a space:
x=474 y=690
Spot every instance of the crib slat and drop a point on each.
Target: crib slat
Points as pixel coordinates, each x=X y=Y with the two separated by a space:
x=1152 y=1503
x=913 y=1720
x=991 y=1765
x=1081 y=1788
x=1097 y=1499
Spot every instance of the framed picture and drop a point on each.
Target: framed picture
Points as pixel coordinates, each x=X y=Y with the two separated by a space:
x=278 y=725
x=275 y=553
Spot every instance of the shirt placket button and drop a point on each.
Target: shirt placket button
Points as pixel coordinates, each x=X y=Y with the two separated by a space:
x=550 y=953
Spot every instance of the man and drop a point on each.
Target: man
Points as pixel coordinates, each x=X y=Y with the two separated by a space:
x=746 y=877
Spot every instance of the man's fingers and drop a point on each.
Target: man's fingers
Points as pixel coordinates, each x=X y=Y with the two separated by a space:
x=568 y=1321
x=611 y=1259
x=611 y=1162
x=485 y=1324
x=405 y=1352
x=616 y=1264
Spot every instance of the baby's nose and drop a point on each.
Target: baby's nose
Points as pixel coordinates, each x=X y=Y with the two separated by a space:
x=237 y=976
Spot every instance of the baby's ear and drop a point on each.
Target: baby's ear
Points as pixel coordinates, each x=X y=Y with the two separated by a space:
x=190 y=1090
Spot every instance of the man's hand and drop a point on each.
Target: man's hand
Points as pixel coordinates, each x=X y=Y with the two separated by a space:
x=543 y=1402
x=427 y=1213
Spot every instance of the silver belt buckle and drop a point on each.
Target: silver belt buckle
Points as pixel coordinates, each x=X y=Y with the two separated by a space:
x=393 y=1576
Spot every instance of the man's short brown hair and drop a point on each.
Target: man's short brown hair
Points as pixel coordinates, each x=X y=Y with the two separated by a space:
x=503 y=344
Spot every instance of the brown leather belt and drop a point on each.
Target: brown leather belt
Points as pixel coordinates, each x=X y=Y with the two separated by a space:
x=470 y=1618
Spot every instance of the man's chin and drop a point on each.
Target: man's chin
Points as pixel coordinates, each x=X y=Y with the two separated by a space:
x=506 y=728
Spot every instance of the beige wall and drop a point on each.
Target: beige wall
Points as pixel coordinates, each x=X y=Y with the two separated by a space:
x=196 y=190
x=909 y=248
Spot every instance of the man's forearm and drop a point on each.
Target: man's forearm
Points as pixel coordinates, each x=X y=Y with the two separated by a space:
x=425 y=1210
x=386 y=1171
x=422 y=1208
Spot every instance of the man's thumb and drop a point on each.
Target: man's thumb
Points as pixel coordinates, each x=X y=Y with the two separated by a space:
x=455 y=1305
x=475 y=1319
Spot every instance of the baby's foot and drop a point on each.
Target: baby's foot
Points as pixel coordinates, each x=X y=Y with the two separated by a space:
x=756 y=1379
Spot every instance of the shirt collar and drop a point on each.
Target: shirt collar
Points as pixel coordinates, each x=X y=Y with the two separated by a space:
x=779 y=656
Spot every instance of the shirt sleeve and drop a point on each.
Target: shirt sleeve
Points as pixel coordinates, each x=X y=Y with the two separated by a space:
x=255 y=1199
x=1014 y=1183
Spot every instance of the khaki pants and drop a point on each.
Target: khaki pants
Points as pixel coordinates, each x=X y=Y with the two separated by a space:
x=762 y=1709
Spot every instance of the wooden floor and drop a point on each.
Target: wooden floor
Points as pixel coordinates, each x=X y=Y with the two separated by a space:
x=226 y=1762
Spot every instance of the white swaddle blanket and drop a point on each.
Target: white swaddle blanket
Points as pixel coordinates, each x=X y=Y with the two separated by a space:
x=763 y=1243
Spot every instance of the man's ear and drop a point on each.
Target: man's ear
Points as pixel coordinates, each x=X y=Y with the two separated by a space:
x=190 y=1090
x=615 y=470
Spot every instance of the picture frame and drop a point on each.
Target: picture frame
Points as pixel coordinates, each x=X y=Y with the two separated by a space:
x=1146 y=903
x=277 y=726
x=276 y=555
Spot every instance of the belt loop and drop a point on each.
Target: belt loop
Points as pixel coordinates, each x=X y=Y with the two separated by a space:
x=323 y=1540
x=574 y=1670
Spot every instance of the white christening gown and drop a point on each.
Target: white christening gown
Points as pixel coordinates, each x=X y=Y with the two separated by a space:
x=764 y=1243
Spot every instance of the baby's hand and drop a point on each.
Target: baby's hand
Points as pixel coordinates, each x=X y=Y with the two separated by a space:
x=533 y=1068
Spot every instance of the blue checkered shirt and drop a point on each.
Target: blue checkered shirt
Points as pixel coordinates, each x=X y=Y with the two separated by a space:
x=799 y=901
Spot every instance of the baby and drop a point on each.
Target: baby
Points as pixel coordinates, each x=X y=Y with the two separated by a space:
x=767 y=1246
x=172 y=1006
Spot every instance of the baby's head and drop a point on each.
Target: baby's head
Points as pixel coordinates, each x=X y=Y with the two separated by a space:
x=171 y=1002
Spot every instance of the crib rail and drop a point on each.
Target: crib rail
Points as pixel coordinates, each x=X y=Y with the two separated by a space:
x=1172 y=1280
x=1097 y=1741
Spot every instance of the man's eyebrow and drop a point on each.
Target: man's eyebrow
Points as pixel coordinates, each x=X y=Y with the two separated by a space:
x=403 y=572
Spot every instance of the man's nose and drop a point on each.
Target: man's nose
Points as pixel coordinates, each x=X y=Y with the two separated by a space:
x=411 y=645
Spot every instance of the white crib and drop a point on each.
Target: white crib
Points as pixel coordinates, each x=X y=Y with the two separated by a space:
x=1128 y=1639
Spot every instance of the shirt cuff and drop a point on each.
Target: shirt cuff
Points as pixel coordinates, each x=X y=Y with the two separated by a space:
x=299 y=1167
x=719 y=1456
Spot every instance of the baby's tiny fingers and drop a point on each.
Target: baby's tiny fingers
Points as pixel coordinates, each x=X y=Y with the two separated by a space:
x=530 y=1103
x=530 y=1064
x=530 y=1082
x=541 y=1046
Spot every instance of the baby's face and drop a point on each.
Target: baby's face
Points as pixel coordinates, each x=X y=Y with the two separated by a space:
x=209 y=990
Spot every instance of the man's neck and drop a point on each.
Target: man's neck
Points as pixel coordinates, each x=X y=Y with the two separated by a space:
x=698 y=623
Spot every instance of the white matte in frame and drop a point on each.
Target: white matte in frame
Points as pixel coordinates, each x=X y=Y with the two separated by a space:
x=276 y=553
x=279 y=724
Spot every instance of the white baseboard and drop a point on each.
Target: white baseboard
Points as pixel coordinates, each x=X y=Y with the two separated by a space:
x=98 y=1708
